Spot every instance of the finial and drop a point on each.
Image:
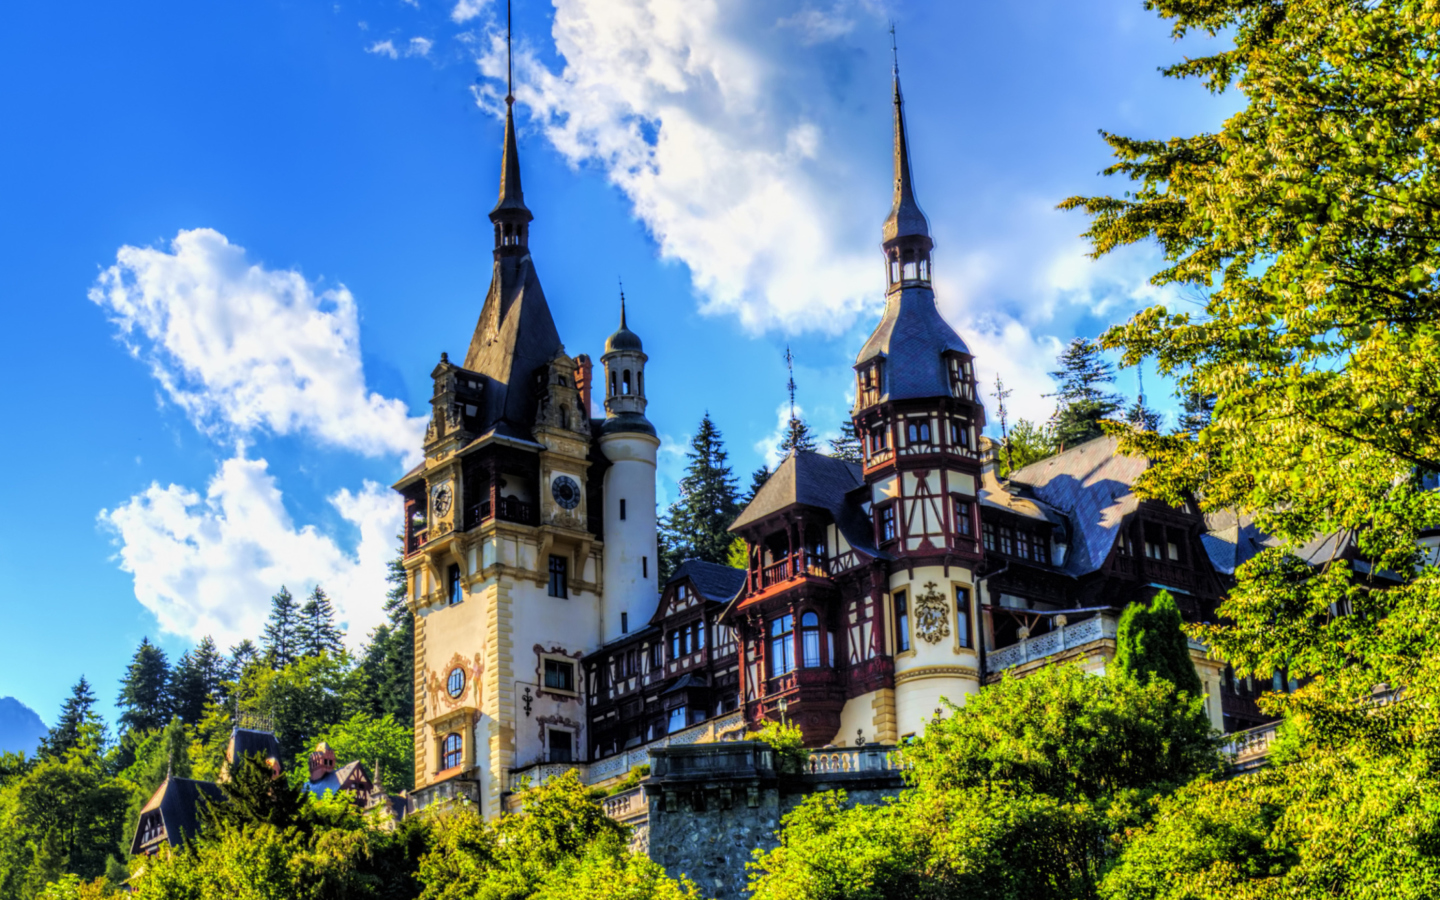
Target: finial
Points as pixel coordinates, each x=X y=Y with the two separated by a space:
x=790 y=365
x=509 y=61
x=894 y=50
x=622 y=300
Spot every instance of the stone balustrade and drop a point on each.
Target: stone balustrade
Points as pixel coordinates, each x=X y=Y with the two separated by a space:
x=1249 y=749
x=853 y=760
x=1061 y=638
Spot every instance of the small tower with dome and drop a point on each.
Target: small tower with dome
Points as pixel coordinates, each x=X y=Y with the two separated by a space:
x=631 y=581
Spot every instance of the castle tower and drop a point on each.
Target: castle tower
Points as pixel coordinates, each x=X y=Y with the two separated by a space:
x=632 y=586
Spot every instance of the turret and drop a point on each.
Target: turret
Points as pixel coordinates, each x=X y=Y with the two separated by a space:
x=632 y=585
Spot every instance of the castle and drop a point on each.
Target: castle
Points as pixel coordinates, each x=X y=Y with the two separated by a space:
x=544 y=640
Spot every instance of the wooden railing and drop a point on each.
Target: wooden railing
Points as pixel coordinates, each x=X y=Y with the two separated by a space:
x=793 y=567
x=511 y=510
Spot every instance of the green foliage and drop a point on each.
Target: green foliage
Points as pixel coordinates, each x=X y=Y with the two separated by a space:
x=195 y=681
x=738 y=556
x=156 y=754
x=254 y=794
x=1026 y=791
x=632 y=779
x=382 y=744
x=797 y=437
x=1149 y=643
x=847 y=445
x=388 y=661
x=315 y=629
x=788 y=742
x=695 y=525
x=562 y=846
x=757 y=481
x=145 y=690
x=1083 y=399
x=1025 y=443
x=281 y=638
x=77 y=720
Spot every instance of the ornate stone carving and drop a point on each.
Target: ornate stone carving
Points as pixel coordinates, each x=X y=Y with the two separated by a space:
x=932 y=617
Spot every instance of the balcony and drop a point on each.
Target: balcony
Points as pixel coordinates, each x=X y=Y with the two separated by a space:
x=1249 y=750
x=511 y=510
x=416 y=541
x=1062 y=637
x=793 y=567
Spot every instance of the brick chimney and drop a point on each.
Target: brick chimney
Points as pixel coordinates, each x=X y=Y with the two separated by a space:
x=322 y=761
x=582 y=381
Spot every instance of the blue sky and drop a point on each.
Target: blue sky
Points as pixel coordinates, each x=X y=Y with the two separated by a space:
x=237 y=235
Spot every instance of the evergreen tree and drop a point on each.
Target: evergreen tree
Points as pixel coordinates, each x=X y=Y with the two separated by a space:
x=1084 y=401
x=315 y=630
x=389 y=658
x=253 y=794
x=757 y=481
x=1195 y=413
x=76 y=715
x=242 y=656
x=145 y=689
x=797 y=437
x=847 y=445
x=279 y=638
x=188 y=690
x=1025 y=443
x=1143 y=417
x=1150 y=643
x=695 y=524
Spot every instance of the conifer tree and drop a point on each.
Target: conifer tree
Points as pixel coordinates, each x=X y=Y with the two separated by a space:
x=242 y=656
x=695 y=524
x=847 y=445
x=77 y=713
x=757 y=481
x=389 y=658
x=1026 y=443
x=797 y=437
x=279 y=638
x=1143 y=417
x=145 y=689
x=315 y=630
x=1084 y=400
x=189 y=689
x=254 y=794
x=1149 y=643
x=1195 y=412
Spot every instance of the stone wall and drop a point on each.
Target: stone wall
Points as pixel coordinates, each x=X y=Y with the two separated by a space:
x=713 y=805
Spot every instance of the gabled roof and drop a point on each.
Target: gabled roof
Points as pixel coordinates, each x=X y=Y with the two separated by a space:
x=911 y=337
x=338 y=780
x=514 y=336
x=712 y=581
x=818 y=481
x=1016 y=499
x=178 y=802
x=1091 y=484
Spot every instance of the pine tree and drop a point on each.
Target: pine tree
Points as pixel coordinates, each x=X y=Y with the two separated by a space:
x=253 y=793
x=315 y=630
x=1143 y=417
x=388 y=661
x=797 y=437
x=242 y=656
x=279 y=638
x=188 y=689
x=695 y=525
x=1149 y=643
x=145 y=690
x=847 y=445
x=1026 y=443
x=77 y=713
x=1083 y=373
x=757 y=481
x=1195 y=413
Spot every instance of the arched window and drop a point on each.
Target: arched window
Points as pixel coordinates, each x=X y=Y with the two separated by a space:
x=625 y=382
x=451 y=751
x=810 y=639
x=612 y=384
x=894 y=270
x=782 y=646
x=640 y=382
x=457 y=592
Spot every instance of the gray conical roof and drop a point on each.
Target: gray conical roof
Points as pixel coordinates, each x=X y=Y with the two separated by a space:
x=512 y=198
x=906 y=219
x=623 y=338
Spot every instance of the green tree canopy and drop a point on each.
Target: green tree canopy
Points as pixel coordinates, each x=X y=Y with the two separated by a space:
x=847 y=445
x=281 y=638
x=1026 y=443
x=145 y=689
x=1149 y=643
x=1083 y=398
x=315 y=629
x=695 y=523
x=76 y=714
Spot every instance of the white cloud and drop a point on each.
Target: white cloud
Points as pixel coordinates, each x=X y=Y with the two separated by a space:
x=419 y=46
x=384 y=48
x=208 y=564
x=727 y=138
x=769 y=445
x=245 y=349
x=465 y=10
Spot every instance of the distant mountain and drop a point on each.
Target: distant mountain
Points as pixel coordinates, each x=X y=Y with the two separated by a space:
x=20 y=727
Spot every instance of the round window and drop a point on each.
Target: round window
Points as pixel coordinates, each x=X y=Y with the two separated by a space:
x=456 y=685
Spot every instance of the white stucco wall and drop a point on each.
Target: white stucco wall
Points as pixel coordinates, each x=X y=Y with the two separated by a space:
x=631 y=570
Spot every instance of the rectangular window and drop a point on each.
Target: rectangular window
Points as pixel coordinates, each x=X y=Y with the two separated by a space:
x=622 y=509
x=644 y=567
x=677 y=719
x=782 y=645
x=887 y=523
x=559 y=675
x=962 y=616
x=558 y=581
x=700 y=630
x=1022 y=543
x=624 y=623
x=674 y=645
x=988 y=529
x=1007 y=540
x=655 y=660
x=902 y=622
x=962 y=517
x=457 y=592
x=684 y=641
x=560 y=744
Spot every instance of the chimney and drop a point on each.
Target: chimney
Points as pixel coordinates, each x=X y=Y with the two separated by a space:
x=582 y=381
x=322 y=761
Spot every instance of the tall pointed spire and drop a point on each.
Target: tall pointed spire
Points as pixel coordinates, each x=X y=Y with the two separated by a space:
x=510 y=213
x=905 y=219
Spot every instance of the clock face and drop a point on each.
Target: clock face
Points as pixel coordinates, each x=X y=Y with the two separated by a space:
x=565 y=491
x=442 y=499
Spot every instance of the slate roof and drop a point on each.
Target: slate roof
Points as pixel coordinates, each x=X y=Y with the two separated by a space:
x=514 y=336
x=711 y=581
x=906 y=218
x=178 y=800
x=1018 y=501
x=819 y=481
x=244 y=742
x=335 y=781
x=911 y=337
x=1091 y=484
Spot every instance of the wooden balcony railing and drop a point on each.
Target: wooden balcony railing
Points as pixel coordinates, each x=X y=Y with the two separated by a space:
x=793 y=567
x=511 y=510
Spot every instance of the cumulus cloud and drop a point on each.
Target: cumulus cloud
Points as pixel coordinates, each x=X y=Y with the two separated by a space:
x=208 y=563
x=419 y=46
x=727 y=138
x=384 y=48
x=244 y=349
x=465 y=10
